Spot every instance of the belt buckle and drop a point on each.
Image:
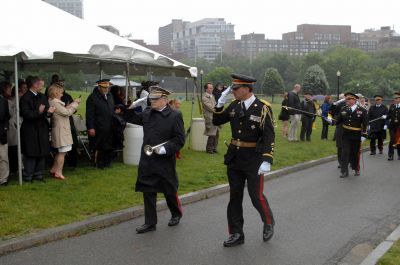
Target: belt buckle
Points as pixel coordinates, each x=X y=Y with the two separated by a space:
x=238 y=143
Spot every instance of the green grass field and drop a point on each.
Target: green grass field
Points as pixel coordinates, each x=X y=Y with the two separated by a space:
x=392 y=257
x=89 y=192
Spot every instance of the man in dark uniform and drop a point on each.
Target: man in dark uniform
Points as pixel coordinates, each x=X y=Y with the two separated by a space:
x=99 y=115
x=249 y=156
x=157 y=172
x=307 y=119
x=334 y=112
x=354 y=120
x=377 y=112
x=393 y=122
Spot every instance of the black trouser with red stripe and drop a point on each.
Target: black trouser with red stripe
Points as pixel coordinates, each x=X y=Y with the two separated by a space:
x=150 y=206
x=350 y=154
x=255 y=187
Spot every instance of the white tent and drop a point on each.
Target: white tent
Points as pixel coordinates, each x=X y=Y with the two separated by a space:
x=38 y=36
x=37 y=32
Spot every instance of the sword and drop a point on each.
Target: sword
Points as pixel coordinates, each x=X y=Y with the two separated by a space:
x=305 y=112
x=377 y=119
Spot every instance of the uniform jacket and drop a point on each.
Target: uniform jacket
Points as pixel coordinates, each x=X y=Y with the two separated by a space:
x=354 y=123
x=61 y=129
x=256 y=125
x=376 y=127
x=293 y=102
x=4 y=119
x=157 y=173
x=208 y=103
x=99 y=115
x=393 y=119
x=35 y=126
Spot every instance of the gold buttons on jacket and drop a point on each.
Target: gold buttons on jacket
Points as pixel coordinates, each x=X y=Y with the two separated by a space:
x=239 y=131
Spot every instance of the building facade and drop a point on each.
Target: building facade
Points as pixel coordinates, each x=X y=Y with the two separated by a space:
x=205 y=38
x=166 y=34
x=74 y=7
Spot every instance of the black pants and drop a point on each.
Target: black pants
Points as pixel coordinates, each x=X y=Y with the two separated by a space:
x=33 y=168
x=13 y=158
x=150 y=206
x=339 y=155
x=350 y=154
x=325 y=129
x=103 y=158
x=255 y=187
x=306 y=128
x=372 y=144
x=392 y=133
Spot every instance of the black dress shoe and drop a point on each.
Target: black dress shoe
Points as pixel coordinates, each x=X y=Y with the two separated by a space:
x=380 y=152
x=174 y=221
x=234 y=240
x=4 y=183
x=339 y=166
x=268 y=232
x=145 y=228
x=357 y=173
x=344 y=174
x=390 y=158
x=372 y=153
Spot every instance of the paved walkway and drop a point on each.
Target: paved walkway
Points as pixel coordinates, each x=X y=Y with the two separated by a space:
x=320 y=218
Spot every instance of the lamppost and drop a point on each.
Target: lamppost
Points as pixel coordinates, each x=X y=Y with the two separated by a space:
x=338 y=83
x=186 y=92
x=201 y=83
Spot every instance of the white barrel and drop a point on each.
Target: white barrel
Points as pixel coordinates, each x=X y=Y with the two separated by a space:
x=199 y=140
x=132 y=144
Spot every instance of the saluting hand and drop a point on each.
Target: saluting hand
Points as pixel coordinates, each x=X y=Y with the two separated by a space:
x=51 y=109
x=41 y=108
x=92 y=132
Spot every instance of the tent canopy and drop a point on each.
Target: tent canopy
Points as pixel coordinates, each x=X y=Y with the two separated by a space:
x=50 y=39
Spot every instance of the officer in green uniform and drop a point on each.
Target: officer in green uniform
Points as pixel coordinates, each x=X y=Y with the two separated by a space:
x=249 y=156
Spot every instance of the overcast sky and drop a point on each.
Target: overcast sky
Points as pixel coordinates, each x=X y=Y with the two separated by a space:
x=142 y=18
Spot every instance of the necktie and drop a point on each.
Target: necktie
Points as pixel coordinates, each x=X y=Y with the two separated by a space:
x=242 y=110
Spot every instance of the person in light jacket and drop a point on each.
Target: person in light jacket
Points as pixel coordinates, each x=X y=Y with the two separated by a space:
x=61 y=137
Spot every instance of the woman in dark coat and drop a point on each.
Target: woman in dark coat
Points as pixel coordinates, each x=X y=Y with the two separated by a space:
x=284 y=115
x=99 y=116
x=157 y=172
x=34 y=109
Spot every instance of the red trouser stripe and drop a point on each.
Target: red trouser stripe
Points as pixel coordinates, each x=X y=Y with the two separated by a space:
x=178 y=202
x=263 y=202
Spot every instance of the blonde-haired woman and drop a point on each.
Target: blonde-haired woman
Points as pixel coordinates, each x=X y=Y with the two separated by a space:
x=61 y=137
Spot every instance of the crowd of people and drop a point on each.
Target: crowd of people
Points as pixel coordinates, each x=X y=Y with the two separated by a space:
x=355 y=121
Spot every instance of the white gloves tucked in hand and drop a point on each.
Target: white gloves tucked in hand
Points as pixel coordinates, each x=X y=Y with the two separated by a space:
x=385 y=127
x=264 y=168
x=329 y=120
x=160 y=150
x=363 y=139
x=224 y=96
x=137 y=103
x=384 y=117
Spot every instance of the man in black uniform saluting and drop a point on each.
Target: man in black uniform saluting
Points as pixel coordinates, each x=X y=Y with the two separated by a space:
x=249 y=156
x=354 y=120
x=157 y=171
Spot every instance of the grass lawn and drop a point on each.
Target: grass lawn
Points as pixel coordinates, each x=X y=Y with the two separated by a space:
x=89 y=192
x=392 y=257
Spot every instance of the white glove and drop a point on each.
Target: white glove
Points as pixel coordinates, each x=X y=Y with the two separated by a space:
x=385 y=127
x=329 y=120
x=384 y=117
x=160 y=150
x=363 y=139
x=224 y=96
x=264 y=168
x=368 y=128
x=137 y=103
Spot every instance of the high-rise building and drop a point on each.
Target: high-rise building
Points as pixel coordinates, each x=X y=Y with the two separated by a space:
x=205 y=38
x=372 y=40
x=316 y=38
x=74 y=7
x=166 y=34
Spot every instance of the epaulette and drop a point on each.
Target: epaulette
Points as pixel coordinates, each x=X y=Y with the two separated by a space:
x=265 y=102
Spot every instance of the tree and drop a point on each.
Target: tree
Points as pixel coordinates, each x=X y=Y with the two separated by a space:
x=219 y=74
x=315 y=80
x=272 y=83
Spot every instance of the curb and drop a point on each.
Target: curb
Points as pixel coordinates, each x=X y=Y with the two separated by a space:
x=382 y=248
x=106 y=220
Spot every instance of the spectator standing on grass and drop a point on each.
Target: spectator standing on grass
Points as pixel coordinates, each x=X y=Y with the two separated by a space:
x=35 y=110
x=295 y=116
x=325 y=107
x=284 y=116
x=208 y=102
x=61 y=136
x=4 y=121
x=307 y=120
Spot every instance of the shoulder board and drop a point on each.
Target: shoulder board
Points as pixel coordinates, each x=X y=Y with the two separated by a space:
x=265 y=102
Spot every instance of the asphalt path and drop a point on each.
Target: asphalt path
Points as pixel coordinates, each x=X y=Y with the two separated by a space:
x=320 y=218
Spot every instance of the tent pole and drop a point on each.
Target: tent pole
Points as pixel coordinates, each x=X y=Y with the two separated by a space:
x=191 y=113
x=127 y=83
x=101 y=71
x=18 y=121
